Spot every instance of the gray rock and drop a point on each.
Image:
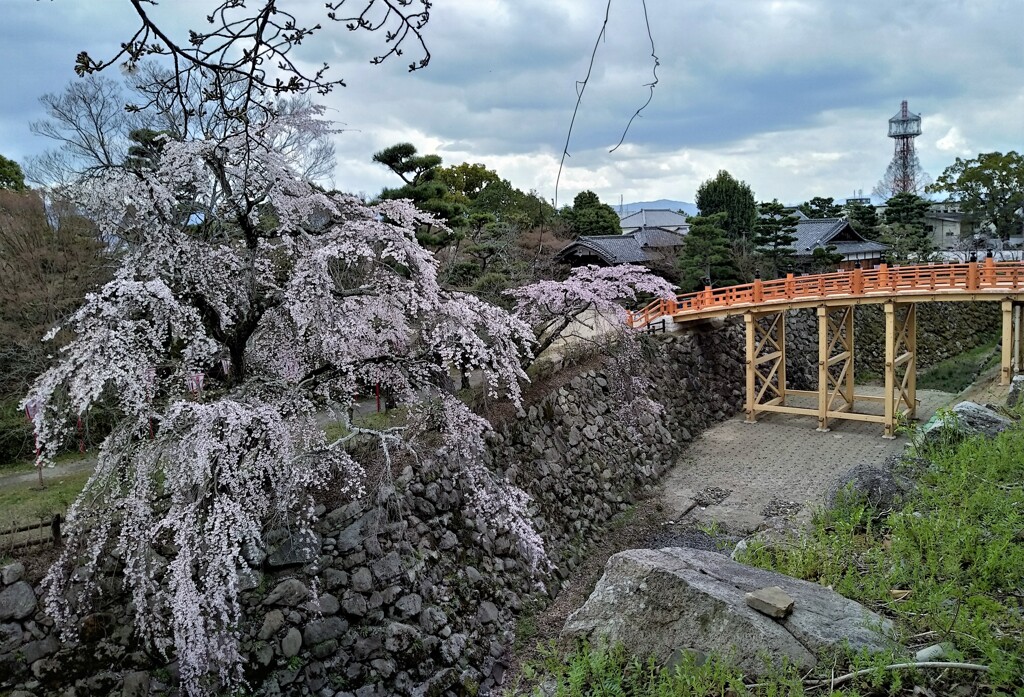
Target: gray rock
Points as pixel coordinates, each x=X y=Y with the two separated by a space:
x=272 y=622
x=399 y=637
x=10 y=636
x=17 y=601
x=295 y=550
x=34 y=650
x=487 y=612
x=291 y=644
x=12 y=573
x=876 y=486
x=290 y=593
x=354 y=604
x=362 y=580
x=448 y=541
x=1016 y=391
x=323 y=630
x=388 y=566
x=657 y=602
x=967 y=419
x=325 y=604
x=136 y=684
x=433 y=619
x=409 y=605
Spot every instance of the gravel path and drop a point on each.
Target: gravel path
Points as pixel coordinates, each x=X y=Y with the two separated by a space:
x=778 y=467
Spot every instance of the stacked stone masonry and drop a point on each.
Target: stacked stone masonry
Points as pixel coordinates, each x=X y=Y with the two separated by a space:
x=407 y=591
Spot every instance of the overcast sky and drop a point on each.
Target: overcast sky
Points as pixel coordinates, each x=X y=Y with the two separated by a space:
x=792 y=96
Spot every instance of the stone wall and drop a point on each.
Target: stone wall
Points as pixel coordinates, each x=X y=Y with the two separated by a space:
x=416 y=594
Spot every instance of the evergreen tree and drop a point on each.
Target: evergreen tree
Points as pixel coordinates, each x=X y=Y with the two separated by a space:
x=707 y=258
x=588 y=216
x=773 y=237
x=904 y=229
x=821 y=207
x=11 y=176
x=864 y=219
x=724 y=194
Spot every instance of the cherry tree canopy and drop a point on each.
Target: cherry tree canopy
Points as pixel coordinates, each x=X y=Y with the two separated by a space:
x=247 y=302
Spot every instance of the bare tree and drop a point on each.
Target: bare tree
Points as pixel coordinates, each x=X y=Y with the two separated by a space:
x=90 y=126
x=252 y=46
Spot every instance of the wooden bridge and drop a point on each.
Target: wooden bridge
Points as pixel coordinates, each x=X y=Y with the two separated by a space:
x=899 y=289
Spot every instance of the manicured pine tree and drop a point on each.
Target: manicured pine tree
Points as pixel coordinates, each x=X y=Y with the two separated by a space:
x=707 y=258
x=773 y=238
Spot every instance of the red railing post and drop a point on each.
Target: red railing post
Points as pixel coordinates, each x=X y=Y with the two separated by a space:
x=972 y=273
x=790 y=285
x=883 y=275
x=758 y=291
x=857 y=282
x=989 y=274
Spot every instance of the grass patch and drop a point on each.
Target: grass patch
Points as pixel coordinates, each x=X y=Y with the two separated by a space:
x=956 y=374
x=947 y=567
x=22 y=502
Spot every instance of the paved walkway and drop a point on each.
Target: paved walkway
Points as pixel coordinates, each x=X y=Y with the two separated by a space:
x=779 y=465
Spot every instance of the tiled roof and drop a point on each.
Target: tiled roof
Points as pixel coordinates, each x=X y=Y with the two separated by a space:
x=653 y=217
x=657 y=237
x=819 y=232
x=630 y=248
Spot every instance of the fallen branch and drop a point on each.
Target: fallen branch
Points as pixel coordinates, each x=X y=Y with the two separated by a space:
x=898 y=666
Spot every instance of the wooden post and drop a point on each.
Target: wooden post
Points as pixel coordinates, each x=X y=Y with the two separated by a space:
x=748 y=321
x=883 y=275
x=822 y=368
x=849 y=371
x=1018 y=338
x=790 y=286
x=781 y=372
x=758 y=291
x=1006 y=367
x=890 y=371
x=989 y=271
x=858 y=280
x=972 y=275
x=912 y=363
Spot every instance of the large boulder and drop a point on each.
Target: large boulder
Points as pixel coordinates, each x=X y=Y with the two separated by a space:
x=966 y=419
x=661 y=602
x=871 y=484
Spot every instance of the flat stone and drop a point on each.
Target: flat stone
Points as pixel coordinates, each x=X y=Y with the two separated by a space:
x=409 y=605
x=362 y=580
x=657 y=602
x=12 y=573
x=773 y=602
x=487 y=613
x=388 y=566
x=323 y=630
x=291 y=644
x=136 y=684
x=17 y=601
x=290 y=593
x=295 y=550
x=272 y=622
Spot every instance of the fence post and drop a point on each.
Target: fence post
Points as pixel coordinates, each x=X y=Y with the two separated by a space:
x=758 y=289
x=857 y=283
x=990 y=269
x=972 y=273
x=883 y=275
x=790 y=285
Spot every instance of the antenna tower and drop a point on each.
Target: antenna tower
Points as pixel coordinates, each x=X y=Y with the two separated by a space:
x=903 y=128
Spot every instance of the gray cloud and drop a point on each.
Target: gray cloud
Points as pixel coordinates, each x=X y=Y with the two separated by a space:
x=792 y=95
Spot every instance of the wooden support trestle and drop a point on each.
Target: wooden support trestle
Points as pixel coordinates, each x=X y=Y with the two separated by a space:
x=835 y=397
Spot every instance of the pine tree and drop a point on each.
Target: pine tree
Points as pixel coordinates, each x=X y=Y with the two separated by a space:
x=724 y=194
x=707 y=258
x=864 y=219
x=773 y=237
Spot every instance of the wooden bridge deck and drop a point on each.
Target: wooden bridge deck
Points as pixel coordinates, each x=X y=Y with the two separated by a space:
x=972 y=281
x=764 y=304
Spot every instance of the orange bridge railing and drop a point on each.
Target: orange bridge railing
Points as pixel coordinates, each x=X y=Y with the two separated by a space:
x=888 y=281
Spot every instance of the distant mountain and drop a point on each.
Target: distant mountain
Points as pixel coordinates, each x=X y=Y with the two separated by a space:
x=688 y=208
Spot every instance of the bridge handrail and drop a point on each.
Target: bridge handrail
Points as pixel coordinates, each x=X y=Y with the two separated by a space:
x=969 y=277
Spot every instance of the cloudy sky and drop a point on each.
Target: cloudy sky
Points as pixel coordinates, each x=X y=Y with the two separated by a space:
x=792 y=96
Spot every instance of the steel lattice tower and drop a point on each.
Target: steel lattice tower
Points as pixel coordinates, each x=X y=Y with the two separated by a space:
x=903 y=128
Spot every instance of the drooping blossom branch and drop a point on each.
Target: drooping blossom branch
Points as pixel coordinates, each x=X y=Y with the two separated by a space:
x=247 y=302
